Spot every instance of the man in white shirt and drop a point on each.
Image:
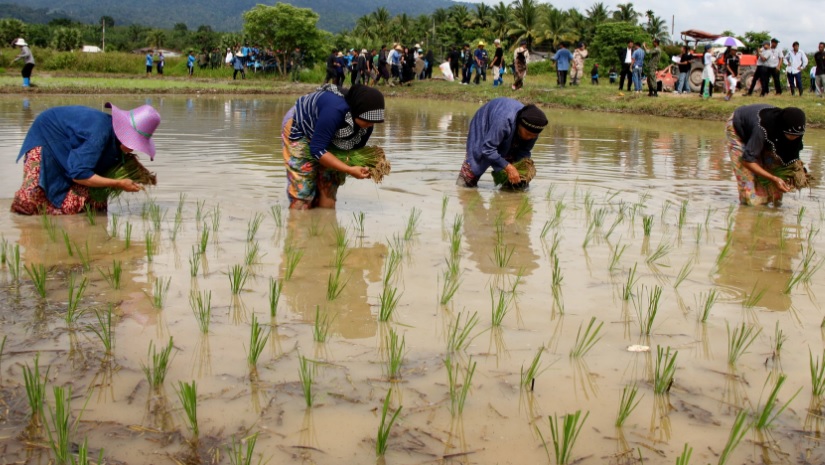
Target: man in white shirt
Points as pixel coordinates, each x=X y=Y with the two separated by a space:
x=772 y=66
x=626 y=58
x=795 y=62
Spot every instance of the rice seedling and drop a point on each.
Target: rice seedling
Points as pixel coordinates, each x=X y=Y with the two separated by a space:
x=176 y=225
x=216 y=218
x=240 y=455
x=450 y=282
x=805 y=271
x=444 y=202
x=252 y=227
x=458 y=333
x=771 y=409
x=158 y=366
x=83 y=255
x=682 y=214
x=305 y=374
x=557 y=278
x=385 y=426
x=800 y=214
x=519 y=278
x=188 y=395
x=156 y=215
x=588 y=205
x=199 y=206
x=257 y=342
x=558 y=210
x=502 y=255
x=697 y=234
x=181 y=202
x=627 y=404
x=588 y=236
x=112 y=275
x=127 y=238
x=391 y=265
x=159 y=290
x=149 y=239
x=37 y=273
x=665 y=208
x=322 y=326
x=529 y=375
x=585 y=341
x=49 y=226
x=500 y=306
x=777 y=341
x=76 y=291
x=277 y=215
x=598 y=218
x=103 y=330
x=684 y=457
x=61 y=429
x=662 y=250
x=563 y=435
x=524 y=208
x=739 y=341
x=194 y=262
x=455 y=236
x=4 y=250
x=68 y=243
x=817 y=374
x=395 y=355
x=630 y=283
x=14 y=263
x=275 y=288
x=545 y=229
x=201 y=305
x=737 y=432
x=707 y=300
x=253 y=253
x=359 y=221
x=754 y=296
x=314 y=227
x=684 y=272
x=91 y=215
x=616 y=222
x=646 y=314
x=615 y=256
x=647 y=224
x=459 y=391
x=412 y=224
x=388 y=301
x=238 y=275
x=2 y=347
x=342 y=250
x=204 y=241
x=665 y=369
x=335 y=284
x=35 y=390
x=293 y=256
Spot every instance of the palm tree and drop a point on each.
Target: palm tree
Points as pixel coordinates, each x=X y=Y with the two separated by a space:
x=657 y=28
x=579 y=25
x=555 y=26
x=597 y=13
x=500 y=20
x=156 y=38
x=482 y=17
x=365 y=27
x=625 y=12
x=525 y=23
x=461 y=15
x=381 y=22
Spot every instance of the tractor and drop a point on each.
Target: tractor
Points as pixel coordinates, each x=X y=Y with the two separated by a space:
x=696 y=40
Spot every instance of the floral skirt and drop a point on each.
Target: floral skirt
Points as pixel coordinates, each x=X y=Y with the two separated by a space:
x=305 y=175
x=751 y=191
x=31 y=198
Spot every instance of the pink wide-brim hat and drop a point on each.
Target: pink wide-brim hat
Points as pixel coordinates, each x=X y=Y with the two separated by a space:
x=134 y=128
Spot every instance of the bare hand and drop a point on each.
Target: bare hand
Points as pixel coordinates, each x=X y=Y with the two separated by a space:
x=512 y=174
x=359 y=172
x=781 y=184
x=129 y=186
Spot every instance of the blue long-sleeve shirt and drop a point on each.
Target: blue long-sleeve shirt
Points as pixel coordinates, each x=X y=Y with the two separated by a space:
x=317 y=117
x=77 y=142
x=638 y=58
x=563 y=57
x=493 y=138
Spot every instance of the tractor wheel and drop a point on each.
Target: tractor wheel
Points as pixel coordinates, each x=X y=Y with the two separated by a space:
x=695 y=79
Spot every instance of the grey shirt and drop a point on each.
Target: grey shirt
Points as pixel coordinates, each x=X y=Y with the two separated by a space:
x=775 y=58
x=26 y=55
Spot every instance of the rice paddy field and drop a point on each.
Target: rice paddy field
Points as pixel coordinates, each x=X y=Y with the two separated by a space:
x=625 y=309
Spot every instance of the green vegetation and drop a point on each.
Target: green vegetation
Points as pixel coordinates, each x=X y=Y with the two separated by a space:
x=771 y=409
x=665 y=370
x=305 y=373
x=528 y=375
x=459 y=390
x=385 y=426
x=158 y=365
x=586 y=341
x=188 y=395
x=739 y=341
x=737 y=432
x=257 y=342
x=35 y=390
x=104 y=329
x=37 y=273
x=563 y=435
x=240 y=455
x=627 y=404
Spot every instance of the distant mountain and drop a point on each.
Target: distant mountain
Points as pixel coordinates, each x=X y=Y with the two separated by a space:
x=222 y=15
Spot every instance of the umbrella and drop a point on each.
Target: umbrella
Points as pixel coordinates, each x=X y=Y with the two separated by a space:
x=728 y=41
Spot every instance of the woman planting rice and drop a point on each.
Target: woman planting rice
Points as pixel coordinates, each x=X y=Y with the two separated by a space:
x=502 y=135
x=324 y=121
x=764 y=144
x=69 y=152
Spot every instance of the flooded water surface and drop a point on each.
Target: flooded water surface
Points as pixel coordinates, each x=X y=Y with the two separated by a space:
x=484 y=314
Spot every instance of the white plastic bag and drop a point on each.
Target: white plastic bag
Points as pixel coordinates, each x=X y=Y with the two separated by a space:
x=445 y=69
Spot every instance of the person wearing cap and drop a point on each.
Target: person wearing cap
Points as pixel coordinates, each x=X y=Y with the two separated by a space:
x=577 y=70
x=237 y=66
x=772 y=66
x=795 y=62
x=395 y=64
x=68 y=148
x=497 y=63
x=562 y=58
x=480 y=57
x=28 y=61
x=502 y=132
x=760 y=75
x=761 y=138
x=327 y=118
x=520 y=58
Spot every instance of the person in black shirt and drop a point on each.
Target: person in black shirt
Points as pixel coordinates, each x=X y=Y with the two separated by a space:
x=455 y=61
x=332 y=63
x=731 y=72
x=625 y=59
x=498 y=64
x=682 y=87
x=819 y=59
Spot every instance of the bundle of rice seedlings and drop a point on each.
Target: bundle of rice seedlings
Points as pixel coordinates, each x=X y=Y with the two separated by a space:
x=795 y=175
x=526 y=169
x=371 y=157
x=132 y=169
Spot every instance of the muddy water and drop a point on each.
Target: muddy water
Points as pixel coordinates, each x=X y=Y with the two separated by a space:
x=604 y=173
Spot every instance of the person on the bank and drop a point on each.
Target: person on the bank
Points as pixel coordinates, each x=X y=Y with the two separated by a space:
x=761 y=73
x=594 y=74
x=562 y=58
x=497 y=63
x=502 y=132
x=190 y=63
x=577 y=69
x=761 y=138
x=685 y=58
x=795 y=62
x=708 y=74
x=819 y=74
x=480 y=57
x=68 y=148
x=638 y=68
x=520 y=58
x=652 y=68
x=296 y=61
x=772 y=66
x=237 y=66
x=626 y=60
x=149 y=62
x=327 y=118
x=161 y=63
x=28 y=61
x=731 y=72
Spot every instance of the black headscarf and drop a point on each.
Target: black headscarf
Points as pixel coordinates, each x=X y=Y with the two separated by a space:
x=533 y=119
x=365 y=103
x=780 y=121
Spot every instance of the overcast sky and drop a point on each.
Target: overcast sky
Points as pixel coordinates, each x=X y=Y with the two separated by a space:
x=788 y=21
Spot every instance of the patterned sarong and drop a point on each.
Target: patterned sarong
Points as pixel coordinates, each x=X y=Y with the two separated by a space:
x=751 y=191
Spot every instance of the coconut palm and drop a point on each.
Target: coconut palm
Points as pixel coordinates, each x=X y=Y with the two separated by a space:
x=525 y=23
x=625 y=12
x=461 y=16
x=156 y=38
x=381 y=22
x=500 y=20
x=657 y=28
x=482 y=17
x=597 y=14
x=579 y=25
x=365 y=27
x=555 y=26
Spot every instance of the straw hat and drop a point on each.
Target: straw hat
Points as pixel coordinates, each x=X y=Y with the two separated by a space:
x=340 y=54
x=481 y=43
x=398 y=47
x=20 y=42
x=134 y=128
x=417 y=45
